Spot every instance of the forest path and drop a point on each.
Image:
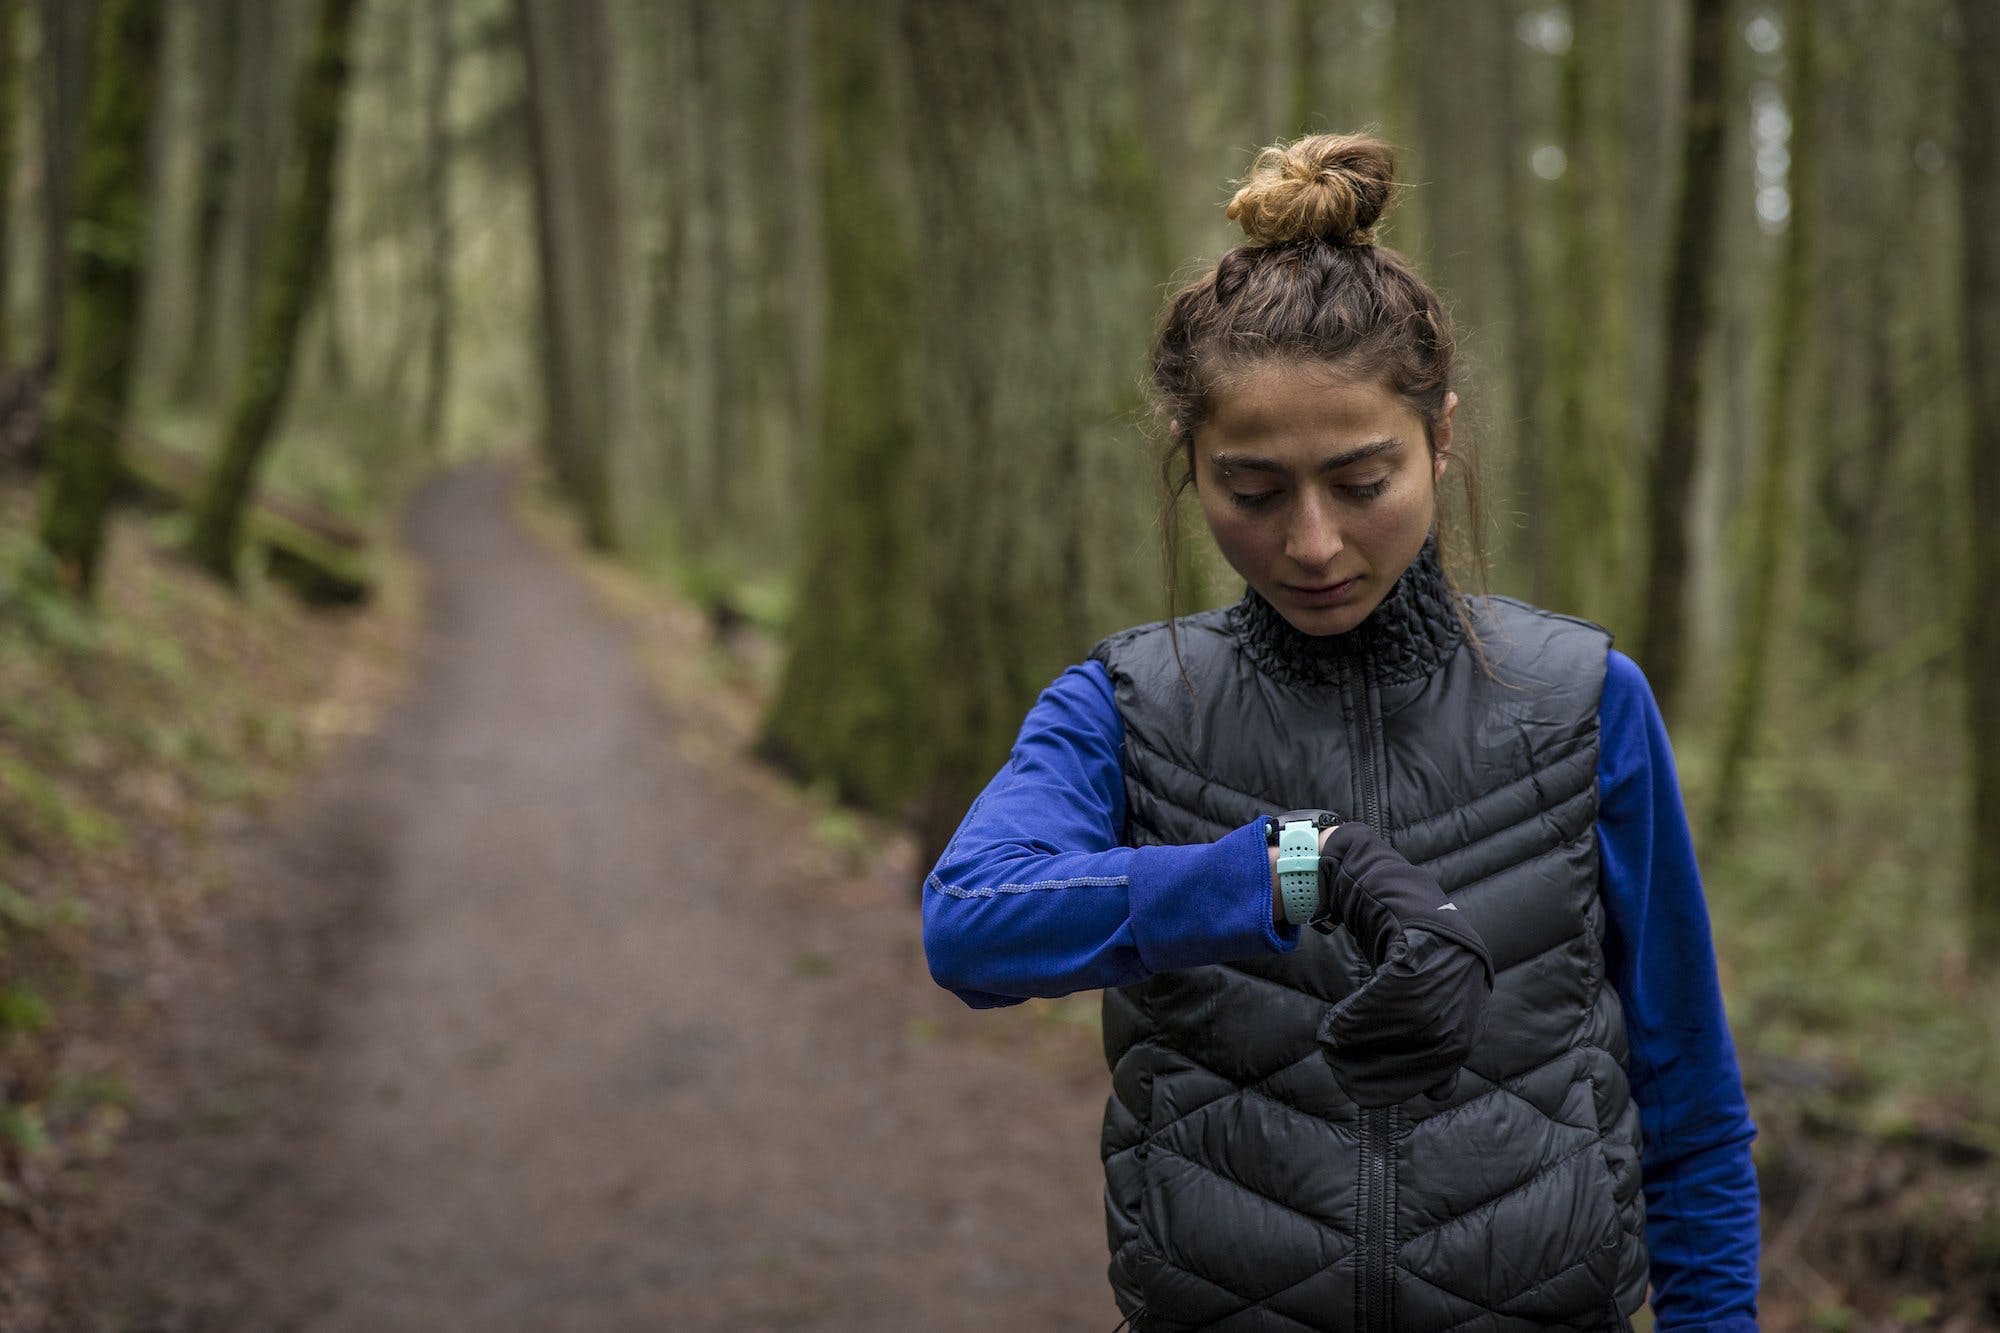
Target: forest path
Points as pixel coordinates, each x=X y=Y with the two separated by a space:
x=542 y=1021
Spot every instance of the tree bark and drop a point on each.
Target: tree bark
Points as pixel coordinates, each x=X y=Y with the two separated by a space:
x=557 y=428
x=1690 y=319
x=1031 y=493
x=66 y=29
x=1582 y=498
x=1771 y=519
x=285 y=291
x=10 y=115
x=805 y=241
x=218 y=172
x=844 y=712
x=579 y=242
x=1979 y=204
x=437 y=212
x=269 y=54
x=105 y=260
x=1304 y=114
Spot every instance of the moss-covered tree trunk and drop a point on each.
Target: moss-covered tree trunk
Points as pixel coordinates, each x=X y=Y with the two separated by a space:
x=1690 y=300
x=1154 y=168
x=1867 y=407
x=804 y=277
x=557 y=416
x=1531 y=549
x=983 y=507
x=708 y=424
x=1771 y=519
x=578 y=240
x=845 y=708
x=1979 y=185
x=66 y=29
x=10 y=103
x=218 y=172
x=106 y=237
x=287 y=288
x=1032 y=321
x=1582 y=498
x=437 y=218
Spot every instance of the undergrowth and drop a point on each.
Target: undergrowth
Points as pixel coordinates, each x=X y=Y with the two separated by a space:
x=126 y=731
x=1840 y=922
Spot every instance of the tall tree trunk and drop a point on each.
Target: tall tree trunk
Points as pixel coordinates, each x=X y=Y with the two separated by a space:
x=66 y=28
x=218 y=171
x=1525 y=324
x=805 y=240
x=1771 y=521
x=285 y=292
x=1690 y=317
x=1866 y=408
x=707 y=423
x=1304 y=114
x=100 y=331
x=558 y=415
x=1026 y=492
x=1583 y=498
x=843 y=712
x=568 y=49
x=10 y=105
x=1979 y=186
x=437 y=200
x=269 y=52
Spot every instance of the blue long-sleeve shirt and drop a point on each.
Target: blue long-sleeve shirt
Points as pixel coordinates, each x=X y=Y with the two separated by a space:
x=1037 y=895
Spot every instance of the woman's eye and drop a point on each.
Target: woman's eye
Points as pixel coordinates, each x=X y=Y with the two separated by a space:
x=1369 y=491
x=1252 y=499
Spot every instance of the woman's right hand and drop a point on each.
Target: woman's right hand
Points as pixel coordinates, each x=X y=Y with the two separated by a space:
x=1409 y=1027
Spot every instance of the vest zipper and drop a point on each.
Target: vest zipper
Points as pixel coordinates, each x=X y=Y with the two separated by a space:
x=1377 y=1215
x=1378 y=1164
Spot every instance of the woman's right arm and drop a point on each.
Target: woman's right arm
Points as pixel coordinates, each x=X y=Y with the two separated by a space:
x=1036 y=895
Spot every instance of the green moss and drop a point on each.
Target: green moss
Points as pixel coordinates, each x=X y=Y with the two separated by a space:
x=23 y=1128
x=54 y=812
x=23 y=1010
x=82 y=1093
x=1843 y=941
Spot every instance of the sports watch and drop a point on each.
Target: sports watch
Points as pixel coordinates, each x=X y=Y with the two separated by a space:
x=1296 y=836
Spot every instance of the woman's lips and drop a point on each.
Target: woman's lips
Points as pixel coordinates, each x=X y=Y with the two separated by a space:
x=1327 y=594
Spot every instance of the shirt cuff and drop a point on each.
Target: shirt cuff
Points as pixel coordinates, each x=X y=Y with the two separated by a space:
x=1205 y=903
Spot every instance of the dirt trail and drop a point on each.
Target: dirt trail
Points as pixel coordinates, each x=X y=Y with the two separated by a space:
x=540 y=1020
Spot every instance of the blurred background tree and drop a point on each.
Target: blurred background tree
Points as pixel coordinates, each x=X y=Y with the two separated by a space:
x=834 y=317
x=106 y=240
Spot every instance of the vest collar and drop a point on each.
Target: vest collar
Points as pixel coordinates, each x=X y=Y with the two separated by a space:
x=1409 y=636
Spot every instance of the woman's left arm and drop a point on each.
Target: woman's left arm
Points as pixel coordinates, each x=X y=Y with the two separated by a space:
x=1701 y=1187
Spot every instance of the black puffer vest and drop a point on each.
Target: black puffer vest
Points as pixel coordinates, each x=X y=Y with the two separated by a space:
x=1243 y=1190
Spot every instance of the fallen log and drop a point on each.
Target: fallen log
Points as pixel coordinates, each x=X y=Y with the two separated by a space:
x=318 y=555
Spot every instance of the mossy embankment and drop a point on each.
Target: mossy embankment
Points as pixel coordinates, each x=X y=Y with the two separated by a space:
x=133 y=737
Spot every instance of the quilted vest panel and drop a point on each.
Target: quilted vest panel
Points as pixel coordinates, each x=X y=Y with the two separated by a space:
x=1243 y=1190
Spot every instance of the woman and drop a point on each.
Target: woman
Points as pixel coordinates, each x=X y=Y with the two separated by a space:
x=1428 y=1111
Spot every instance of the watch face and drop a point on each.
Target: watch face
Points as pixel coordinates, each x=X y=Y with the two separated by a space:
x=1321 y=819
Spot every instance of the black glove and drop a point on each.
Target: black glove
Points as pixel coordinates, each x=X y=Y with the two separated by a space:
x=1408 y=1028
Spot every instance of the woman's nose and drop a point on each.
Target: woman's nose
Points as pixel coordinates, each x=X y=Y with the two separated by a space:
x=1313 y=539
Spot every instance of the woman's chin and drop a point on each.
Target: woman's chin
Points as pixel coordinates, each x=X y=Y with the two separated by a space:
x=1323 y=621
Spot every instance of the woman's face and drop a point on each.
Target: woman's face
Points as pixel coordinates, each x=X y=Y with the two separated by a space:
x=1320 y=488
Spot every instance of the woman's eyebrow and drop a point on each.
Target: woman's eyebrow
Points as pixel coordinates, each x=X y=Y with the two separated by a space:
x=1255 y=463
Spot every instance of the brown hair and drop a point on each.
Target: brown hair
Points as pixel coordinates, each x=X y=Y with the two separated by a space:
x=1309 y=284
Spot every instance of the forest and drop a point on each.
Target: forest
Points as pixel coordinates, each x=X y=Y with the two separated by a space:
x=824 y=327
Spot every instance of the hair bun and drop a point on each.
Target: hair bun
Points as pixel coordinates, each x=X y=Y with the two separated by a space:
x=1330 y=187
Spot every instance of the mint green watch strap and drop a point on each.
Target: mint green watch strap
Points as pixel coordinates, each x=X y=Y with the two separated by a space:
x=1298 y=870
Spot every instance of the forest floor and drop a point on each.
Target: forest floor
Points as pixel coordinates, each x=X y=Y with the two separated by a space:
x=543 y=1008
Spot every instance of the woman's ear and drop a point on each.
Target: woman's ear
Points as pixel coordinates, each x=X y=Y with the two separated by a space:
x=1441 y=438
